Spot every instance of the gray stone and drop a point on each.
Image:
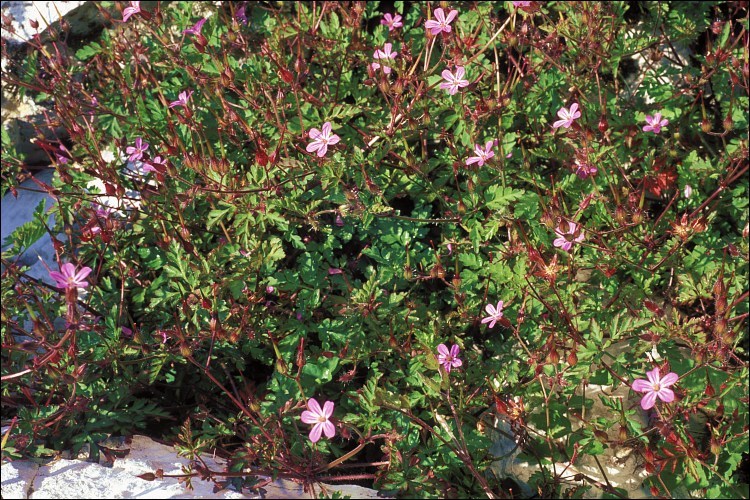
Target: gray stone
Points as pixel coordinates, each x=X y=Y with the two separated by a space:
x=17 y=211
x=83 y=17
x=17 y=478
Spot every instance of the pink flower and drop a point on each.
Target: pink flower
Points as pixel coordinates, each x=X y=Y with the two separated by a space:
x=136 y=152
x=69 y=277
x=655 y=123
x=482 y=154
x=195 y=29
x=567 y=117
x=322 y=139
x=442 y=23
x=386 y=53
x=158 y=164
x=585 y=170
x=135 y=8
x=319 y=418
x=182 y=99
x=453 y=82
x=449 y=359
x=495 y=313
x=566 y=239
x=392 y=22
x=521 y=4
x=655 y=387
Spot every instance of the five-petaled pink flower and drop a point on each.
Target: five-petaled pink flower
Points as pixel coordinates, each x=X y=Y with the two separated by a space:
x=135 y=8
x=322 y=139
x=482 y=154
x=392 y=21
x=454 y=81
x=182 y=99
x=567 y=116
x=195 y=29
x=136 y=152
x=449 y=359
x=158 y=164
x=68 y=277
x=386 y=54
x=443 y=22
x=566 y=239
x=655 y=123
x=521 y=4
x=655 y=387
x=495 y=313
x=584 y=170
x=320 y=418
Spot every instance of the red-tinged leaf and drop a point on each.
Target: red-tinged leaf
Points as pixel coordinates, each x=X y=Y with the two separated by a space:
x=651 y=306
x=661 y=180
x=261 y=157
x=286 y=75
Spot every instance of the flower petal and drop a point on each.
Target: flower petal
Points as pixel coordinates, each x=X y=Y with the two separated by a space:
x=323 y=150
x=314 y=407
x=451 y=16
x=334 y=139
x=328 y=409
x=648 y=400
x=432 y=25
x=313 y=133
x=490 y=309
x=457 y=362
x=666 y=395
x=472 y=160
x=443 y=349
x=560 y=123
x=487 y=320
x=85 y=271
x=653 y=376
x=447 y=75
x=313 y=146
x=669 y=379
x=329 y=429
x=315 y=432
x=440 y=15
x=641 y=385
x=454 y=350
x=308 y=417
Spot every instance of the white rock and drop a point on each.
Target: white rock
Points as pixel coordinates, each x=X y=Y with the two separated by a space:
x=17 y=478
x=77 y=479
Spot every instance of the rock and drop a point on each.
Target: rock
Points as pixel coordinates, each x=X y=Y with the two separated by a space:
x=17 y=211
x=83 y=17
x=17 y=478
x=78 y=479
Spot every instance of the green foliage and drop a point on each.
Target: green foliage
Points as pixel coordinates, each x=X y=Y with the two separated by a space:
x=255 y=275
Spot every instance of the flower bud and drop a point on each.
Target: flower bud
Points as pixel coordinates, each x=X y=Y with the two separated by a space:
x=408 y=274
x=705 y=126
x=603 y=125
x=185 y=350
x=623 y=433
x=728 y=123
x=572 y=358
x=553 y=357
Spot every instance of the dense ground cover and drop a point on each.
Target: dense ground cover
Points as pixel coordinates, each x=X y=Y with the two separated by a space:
x=338 y=240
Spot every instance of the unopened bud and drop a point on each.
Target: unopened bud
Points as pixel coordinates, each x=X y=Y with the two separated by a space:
x=185 y=350
x=728 y=123
x=603 y=125
x=623 y=433
x=705 y=126
x=553 y=357
x=572 y=358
